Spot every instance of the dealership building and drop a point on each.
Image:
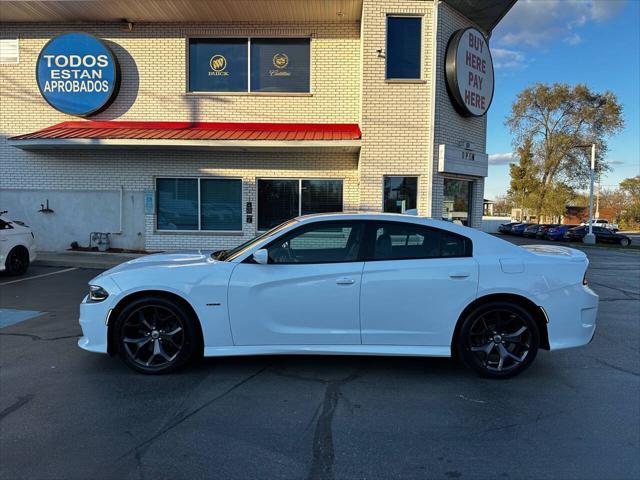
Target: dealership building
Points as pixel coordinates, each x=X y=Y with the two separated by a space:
x=180 y=124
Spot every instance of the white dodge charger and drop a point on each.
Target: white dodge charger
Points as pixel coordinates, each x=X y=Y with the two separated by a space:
x=355 y=284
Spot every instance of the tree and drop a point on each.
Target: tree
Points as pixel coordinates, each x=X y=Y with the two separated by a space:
x=630 y=188
x=555 y=122
x=525 y=186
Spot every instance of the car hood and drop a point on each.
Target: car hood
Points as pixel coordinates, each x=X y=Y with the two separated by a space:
x=173 y=259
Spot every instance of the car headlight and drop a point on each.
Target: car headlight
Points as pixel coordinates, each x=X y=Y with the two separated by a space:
x=97 y=294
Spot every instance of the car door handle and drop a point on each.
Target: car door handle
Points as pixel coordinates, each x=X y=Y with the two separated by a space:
x=459 y=275
x=345 y=281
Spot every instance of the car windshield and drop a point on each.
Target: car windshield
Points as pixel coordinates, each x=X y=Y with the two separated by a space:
x=228 y=255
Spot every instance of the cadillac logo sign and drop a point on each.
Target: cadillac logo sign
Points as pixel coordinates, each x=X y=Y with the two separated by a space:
x=469 y=72
x=280 y=60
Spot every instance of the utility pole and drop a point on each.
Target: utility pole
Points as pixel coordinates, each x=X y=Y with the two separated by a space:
x=590 y=237
x=598 y=196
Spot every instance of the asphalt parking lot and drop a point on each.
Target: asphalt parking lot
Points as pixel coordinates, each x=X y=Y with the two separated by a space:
x=66 y=413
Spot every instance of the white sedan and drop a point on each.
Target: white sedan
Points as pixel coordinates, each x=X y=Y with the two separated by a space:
x=17 y=246
x=356 y=284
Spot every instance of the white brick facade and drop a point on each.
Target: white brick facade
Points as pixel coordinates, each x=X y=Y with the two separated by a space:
x=402 y=123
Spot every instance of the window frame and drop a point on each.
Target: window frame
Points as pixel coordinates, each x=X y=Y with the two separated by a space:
x=362 y=249
x=199 y=230
x=299 y=180
x=369 y=242
x=417 y=177
x=249 y=92
x=421 y=78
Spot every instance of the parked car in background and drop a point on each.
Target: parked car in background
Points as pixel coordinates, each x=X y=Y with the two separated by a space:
x=531 y=231
x=603 y=235
x=600 y=222
x=17 y=246
x=544 y=229
x=353 y=284
x=520 y=228
x=557 y=232
x=505 y=228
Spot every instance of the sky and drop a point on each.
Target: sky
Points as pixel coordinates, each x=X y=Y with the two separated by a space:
x=596 y=42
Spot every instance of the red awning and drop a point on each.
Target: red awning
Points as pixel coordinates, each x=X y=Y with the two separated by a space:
x=117 y=133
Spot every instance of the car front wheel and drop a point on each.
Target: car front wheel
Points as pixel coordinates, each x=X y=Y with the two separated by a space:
x=624 y=242
x=155 y=335
x=17 y=261
x=498 y=339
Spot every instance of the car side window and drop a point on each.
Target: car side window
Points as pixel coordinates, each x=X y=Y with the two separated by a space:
x=397 y=241
x=323 y=242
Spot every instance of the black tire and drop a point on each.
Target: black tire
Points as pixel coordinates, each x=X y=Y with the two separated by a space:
x=147 y=336
x=491 y=330
x=624 y=242
x=17 y=262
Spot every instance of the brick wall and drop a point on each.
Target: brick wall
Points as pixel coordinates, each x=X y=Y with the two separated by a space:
x=449 y=126
x=402 y=122
x=395 y=115
x=153 y=64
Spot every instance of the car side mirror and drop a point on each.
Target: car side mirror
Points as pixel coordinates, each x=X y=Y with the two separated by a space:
x=261 y=256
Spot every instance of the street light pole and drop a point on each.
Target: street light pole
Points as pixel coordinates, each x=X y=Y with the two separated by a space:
x=590 y=237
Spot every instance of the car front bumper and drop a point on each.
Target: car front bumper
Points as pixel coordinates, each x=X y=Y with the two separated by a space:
x=94 y=317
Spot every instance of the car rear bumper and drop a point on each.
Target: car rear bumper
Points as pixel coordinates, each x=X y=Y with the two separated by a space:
x=572 y=314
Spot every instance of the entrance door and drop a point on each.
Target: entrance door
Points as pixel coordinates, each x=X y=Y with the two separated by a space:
x=308 y=293
x=416 y=285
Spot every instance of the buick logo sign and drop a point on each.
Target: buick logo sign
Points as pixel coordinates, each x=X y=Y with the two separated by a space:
x=469 y=72
x=77 y=74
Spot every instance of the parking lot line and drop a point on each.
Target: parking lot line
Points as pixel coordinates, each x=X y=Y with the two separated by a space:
x=38 y=276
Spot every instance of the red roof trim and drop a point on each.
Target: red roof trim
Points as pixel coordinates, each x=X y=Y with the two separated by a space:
x=196 y=131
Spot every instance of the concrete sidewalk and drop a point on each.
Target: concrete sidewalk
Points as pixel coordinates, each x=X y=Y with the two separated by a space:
x=83 y=259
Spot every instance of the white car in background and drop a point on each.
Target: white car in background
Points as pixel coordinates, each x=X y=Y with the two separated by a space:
x=355 y=284
x=600 y=222
x=17 y=246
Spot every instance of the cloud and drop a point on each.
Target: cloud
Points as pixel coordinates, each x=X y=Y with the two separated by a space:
x=573 y=39
x=506 y=58
x=501 y=158
x=536 y=22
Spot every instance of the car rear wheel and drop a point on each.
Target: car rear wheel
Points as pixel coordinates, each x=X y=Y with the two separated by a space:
x=624 y=242
x=498 y=340
x=155 y=335
x=17 y=261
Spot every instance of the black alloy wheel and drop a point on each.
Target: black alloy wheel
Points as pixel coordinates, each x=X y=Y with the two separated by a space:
x=155 y=335
x=17 y=262
x=499 y=340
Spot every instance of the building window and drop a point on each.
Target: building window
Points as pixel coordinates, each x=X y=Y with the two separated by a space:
x=9 y=51
x=280 y=200
x=456 y=202
x=250 y=65
x=218 y=65
x=199 y=204
x=400 y=194
x=404 y=48
x=280 y=65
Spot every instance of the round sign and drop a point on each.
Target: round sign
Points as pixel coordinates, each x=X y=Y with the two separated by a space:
x=77 y=74
x=469 y=72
